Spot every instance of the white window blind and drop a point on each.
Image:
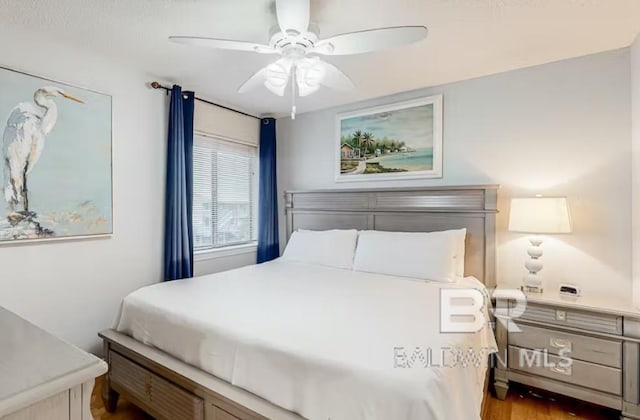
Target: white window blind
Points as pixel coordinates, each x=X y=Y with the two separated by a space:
x=224 y=193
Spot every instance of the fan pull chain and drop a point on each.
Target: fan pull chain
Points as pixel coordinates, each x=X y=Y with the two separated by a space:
x=293 y=92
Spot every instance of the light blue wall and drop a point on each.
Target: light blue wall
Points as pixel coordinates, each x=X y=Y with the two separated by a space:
x=558 y=129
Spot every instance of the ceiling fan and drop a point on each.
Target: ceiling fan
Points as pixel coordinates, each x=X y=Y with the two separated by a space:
x=299 y=48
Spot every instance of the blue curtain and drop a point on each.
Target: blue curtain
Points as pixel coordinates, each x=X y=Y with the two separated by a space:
x=268 y=243
x=178 y=239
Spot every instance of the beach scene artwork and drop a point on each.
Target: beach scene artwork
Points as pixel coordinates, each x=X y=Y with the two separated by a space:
x=398 y=141
x=56 y=160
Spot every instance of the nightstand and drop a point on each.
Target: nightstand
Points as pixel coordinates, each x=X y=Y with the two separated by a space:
x=586 y=348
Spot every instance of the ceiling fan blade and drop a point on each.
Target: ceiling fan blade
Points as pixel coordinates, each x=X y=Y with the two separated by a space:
x=293 y=14
x=254 y=81
x=370 y=40
x=223 y=44
x=334 y=78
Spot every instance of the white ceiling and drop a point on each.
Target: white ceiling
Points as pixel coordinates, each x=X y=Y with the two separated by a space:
x=468 y=38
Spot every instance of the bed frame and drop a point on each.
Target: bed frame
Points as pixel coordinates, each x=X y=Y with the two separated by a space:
x=170 y=389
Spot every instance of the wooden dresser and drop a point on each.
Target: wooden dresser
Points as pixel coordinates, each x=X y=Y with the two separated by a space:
x=41 y=376
x=585 y=348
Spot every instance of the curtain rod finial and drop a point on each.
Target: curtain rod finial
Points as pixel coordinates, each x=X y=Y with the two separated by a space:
x=156 y=85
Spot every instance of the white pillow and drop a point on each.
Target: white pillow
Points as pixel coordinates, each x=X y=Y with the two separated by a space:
x=460 y=235
x=428 y=256
x=333 y=248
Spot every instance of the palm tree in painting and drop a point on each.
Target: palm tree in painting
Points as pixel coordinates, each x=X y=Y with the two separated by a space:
x=367 y=141
x=357 y=137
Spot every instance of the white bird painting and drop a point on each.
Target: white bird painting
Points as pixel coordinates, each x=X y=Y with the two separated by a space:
x=56 y=161
x=24 y=140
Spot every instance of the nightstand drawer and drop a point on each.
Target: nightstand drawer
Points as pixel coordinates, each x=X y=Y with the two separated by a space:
x=588 y=349
x=590 y=321
x=589 y=375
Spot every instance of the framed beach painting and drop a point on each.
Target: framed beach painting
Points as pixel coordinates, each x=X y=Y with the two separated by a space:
x=402 y=140
x=56 y=160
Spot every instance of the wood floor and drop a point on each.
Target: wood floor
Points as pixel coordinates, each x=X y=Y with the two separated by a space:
x=521 y=404
x=125 y=411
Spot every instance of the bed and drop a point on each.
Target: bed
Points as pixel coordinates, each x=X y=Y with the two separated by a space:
x=260 y=342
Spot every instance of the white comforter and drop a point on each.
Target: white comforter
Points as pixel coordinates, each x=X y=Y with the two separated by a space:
x=322 y=342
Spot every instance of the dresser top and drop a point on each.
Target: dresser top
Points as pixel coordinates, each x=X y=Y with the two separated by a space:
x=35 y=365
x=607 y=305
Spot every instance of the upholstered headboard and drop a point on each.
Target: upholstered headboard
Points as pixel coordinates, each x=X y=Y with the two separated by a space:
x=406 y=210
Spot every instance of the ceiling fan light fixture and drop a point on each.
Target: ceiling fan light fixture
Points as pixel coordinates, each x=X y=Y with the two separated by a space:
x=278 y=73
x=277 y=76
x=275 y=89
x=306 y=90
x=310 y=72
x=297 y=42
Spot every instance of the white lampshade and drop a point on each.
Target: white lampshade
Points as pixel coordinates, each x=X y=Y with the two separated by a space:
x=539 y=215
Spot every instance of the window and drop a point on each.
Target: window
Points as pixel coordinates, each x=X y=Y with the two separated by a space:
x=224 y=193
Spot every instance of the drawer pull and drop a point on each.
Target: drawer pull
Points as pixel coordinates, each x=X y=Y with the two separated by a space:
x=563 y=370
x=559 y=343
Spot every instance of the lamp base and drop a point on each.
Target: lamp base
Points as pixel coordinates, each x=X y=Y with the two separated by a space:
x=531 y=289
x=532 y=282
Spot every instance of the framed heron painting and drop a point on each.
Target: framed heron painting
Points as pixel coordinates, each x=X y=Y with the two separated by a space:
x=56 y=160
x=402 y=140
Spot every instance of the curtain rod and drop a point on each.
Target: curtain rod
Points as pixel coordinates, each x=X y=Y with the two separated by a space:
x=156 y=85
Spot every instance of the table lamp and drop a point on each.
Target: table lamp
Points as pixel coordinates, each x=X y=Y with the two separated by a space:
x=538 y=215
